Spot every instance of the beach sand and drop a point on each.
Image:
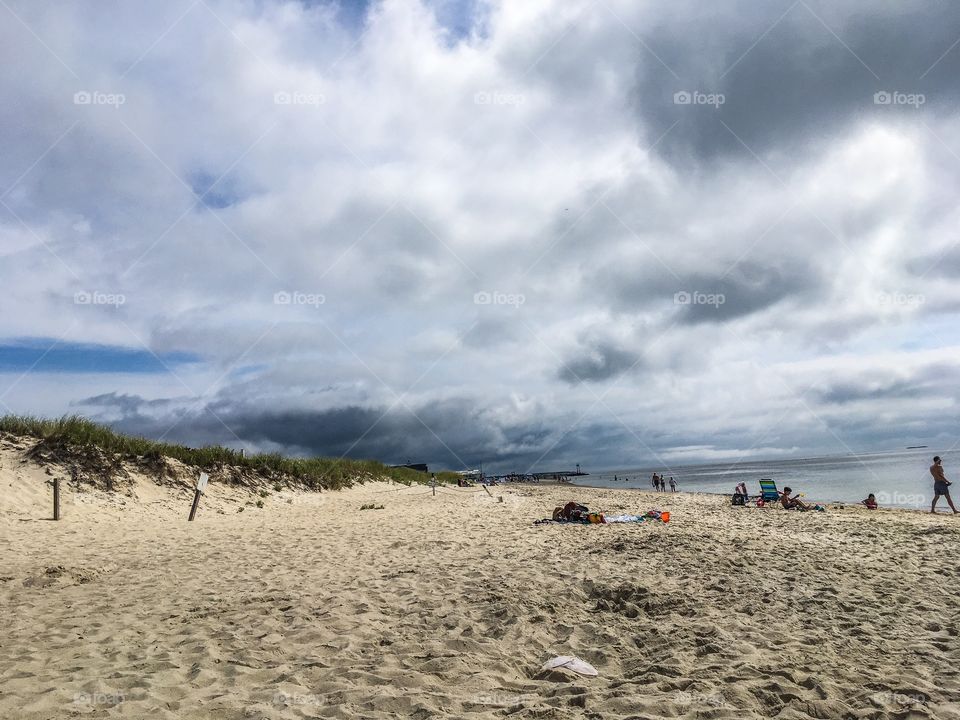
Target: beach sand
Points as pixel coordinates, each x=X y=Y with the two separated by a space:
x=447 y=606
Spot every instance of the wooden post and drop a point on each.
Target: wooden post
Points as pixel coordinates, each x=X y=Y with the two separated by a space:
x=56 y=499
x=433 y=484
x=487 y=489
x=196 y=502
x=198 y=491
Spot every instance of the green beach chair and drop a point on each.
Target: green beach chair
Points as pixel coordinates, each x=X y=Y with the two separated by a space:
x=768 y=490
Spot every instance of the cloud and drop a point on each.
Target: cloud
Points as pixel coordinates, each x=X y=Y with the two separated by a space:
x=599 y=362
x=331 y=211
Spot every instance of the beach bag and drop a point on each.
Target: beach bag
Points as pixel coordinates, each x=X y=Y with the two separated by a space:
x=739 y=499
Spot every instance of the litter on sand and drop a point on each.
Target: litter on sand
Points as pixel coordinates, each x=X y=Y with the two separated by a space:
x=571 y=662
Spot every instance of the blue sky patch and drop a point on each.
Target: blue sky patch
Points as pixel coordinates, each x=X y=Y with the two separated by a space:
x=46 y=355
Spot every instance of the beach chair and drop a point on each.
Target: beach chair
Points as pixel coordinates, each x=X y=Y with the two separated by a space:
x=768 y=490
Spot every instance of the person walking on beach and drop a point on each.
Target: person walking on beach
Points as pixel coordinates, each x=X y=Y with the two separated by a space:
x=941 y=486
x=673 y=484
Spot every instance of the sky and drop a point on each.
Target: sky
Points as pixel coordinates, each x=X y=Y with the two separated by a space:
x=528 y=234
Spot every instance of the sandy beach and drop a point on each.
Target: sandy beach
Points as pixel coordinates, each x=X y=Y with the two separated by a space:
x=447 y=606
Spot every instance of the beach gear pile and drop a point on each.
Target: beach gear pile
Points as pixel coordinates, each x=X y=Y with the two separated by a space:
x=581 y=515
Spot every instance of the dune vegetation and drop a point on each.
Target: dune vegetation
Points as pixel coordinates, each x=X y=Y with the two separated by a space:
x=78 y=433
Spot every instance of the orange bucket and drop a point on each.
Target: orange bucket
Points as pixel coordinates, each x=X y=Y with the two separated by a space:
x=665 y=516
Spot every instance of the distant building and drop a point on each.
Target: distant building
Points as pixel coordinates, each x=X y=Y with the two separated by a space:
x=419 y=467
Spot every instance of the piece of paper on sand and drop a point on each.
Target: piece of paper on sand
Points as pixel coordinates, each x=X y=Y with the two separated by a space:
x=570 y=662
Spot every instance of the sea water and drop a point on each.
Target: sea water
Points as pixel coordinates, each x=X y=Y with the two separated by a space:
x=898 y=479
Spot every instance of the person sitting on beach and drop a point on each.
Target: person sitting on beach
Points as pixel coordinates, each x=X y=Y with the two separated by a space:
x=740 y=496
x=792 y=503
x=572 y=511
x=870 y=502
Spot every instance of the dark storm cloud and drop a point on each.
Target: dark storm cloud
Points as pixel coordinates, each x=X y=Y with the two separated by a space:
x=789 y=83
x=125 y=404
x=937 y=380
x=731 y=292
x=746 y=289
x=599 y=362
x=453 y=434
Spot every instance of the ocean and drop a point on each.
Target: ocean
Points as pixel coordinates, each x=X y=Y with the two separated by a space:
x=898 y=479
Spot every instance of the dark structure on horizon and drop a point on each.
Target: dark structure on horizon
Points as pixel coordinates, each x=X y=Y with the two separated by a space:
x=419 y=467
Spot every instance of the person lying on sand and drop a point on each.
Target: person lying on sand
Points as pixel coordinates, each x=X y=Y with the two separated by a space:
x=792 y=503
x=870 y=502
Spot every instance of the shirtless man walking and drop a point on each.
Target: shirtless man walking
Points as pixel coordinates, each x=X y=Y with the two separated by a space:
x=941 y=486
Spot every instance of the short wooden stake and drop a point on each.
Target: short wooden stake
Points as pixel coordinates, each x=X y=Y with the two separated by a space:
x=196 y=502
x=56 y=499
x=197 y=492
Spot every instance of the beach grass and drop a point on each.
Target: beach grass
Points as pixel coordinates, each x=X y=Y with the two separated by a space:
x=316 y=473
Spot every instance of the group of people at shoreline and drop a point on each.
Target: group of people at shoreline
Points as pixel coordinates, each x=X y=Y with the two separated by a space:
x=660 y=484
x=658 y=481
